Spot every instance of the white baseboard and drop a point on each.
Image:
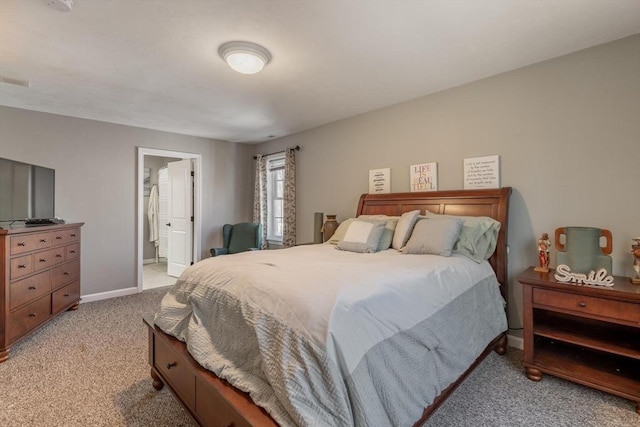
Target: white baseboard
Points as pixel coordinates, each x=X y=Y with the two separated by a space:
x=107 y=295
x=516 y=342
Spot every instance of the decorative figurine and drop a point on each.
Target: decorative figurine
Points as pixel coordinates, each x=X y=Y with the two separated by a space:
x=635 y=250
x=543 y=254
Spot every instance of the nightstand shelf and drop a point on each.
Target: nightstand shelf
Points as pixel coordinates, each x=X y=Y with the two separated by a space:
x=611 y=373
x=586 y=334
x=590 y=334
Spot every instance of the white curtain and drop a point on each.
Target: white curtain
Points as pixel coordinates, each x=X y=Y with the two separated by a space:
x=260 y=197
x=163 y=212
x=289 y=196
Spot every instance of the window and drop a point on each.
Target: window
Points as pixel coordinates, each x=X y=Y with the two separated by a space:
x=275 y=197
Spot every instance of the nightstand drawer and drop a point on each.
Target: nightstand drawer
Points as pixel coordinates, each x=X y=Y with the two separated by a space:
x=576 y=304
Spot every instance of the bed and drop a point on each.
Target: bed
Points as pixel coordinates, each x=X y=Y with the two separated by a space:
x=314 y=335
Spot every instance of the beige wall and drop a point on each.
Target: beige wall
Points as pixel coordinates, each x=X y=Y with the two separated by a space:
x=567 y=131
x=95 y=165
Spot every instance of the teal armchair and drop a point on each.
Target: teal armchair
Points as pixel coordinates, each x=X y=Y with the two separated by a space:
x=242 y=237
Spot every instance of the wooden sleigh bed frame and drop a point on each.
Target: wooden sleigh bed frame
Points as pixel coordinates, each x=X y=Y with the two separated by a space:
x=212 y=401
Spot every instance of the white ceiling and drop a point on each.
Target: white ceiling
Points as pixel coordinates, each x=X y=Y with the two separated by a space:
x=154 y=63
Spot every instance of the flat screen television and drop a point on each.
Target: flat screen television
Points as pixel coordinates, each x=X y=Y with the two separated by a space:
x=26 y=191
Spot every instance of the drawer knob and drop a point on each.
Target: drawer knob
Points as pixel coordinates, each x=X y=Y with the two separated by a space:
x=32 y=314
x=42 y=260
x=43 y=240
x=20 y=243
x=22 y=265
x=66 y=273
x=66 y=295
x=72 y=252
x=58 y=237
x=73 y=235
x=58 y=256
x=33 y=288
x=582 y=304
x=171 y=365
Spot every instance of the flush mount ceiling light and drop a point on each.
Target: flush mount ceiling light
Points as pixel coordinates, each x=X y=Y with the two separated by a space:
x=244 y=57
x=61 y=5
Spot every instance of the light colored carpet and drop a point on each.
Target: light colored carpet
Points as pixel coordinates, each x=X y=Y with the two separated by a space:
x=89 y=368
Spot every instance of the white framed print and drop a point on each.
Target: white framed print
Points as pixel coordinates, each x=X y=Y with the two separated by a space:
x=482 y=172
x=380 y=180
x=423 y=177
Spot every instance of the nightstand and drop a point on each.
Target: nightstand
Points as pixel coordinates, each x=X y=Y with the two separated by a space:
x=586 y=334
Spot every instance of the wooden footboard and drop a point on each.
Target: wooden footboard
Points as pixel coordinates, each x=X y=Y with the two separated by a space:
x=210 y=400
x=213 y=402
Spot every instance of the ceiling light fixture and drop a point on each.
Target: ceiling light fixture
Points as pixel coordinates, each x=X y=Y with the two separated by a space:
x=61 y=5
x=244 y=57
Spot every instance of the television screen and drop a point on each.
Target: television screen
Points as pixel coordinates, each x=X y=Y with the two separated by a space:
x=26 y=191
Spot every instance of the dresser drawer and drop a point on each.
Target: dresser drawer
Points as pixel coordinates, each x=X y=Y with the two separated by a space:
x=29 y=289
x=576 y=304
x=211 y=406
x=48 y=258
x=65 y=273
x=72 y=251
x=66 y=236
x=65 y=297
x=30 y=242
x=21 y=266
x=175 y=368
x=25 y=319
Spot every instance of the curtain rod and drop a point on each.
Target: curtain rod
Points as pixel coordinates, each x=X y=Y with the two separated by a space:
x=297 y=148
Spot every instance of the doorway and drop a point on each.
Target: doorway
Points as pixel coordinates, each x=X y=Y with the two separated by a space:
x=151 y=259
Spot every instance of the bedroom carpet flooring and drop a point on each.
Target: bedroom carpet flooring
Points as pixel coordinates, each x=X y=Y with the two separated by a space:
x=89 y=368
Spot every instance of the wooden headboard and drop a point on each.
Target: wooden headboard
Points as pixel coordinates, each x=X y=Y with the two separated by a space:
x=493 y=203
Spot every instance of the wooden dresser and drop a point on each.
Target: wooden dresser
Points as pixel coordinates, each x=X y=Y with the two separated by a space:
x=40 y=275
x=586 y=334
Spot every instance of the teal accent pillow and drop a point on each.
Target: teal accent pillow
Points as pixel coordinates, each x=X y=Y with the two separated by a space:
x=478 y=236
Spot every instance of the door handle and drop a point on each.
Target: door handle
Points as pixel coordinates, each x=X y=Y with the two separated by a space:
x=168 y=224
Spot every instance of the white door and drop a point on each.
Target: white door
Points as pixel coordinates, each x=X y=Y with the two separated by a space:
x=180 y=227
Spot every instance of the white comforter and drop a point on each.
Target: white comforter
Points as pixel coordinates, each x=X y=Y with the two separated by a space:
x=305 y=330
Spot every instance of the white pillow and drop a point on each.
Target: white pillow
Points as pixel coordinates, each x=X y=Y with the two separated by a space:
x=434 y=236
x=340 y=231
x=362 y=236
x=404 y=228
x=387 y=233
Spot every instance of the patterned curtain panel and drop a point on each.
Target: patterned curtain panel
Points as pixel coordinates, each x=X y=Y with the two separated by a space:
x=260 y=197
x=289 y=221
